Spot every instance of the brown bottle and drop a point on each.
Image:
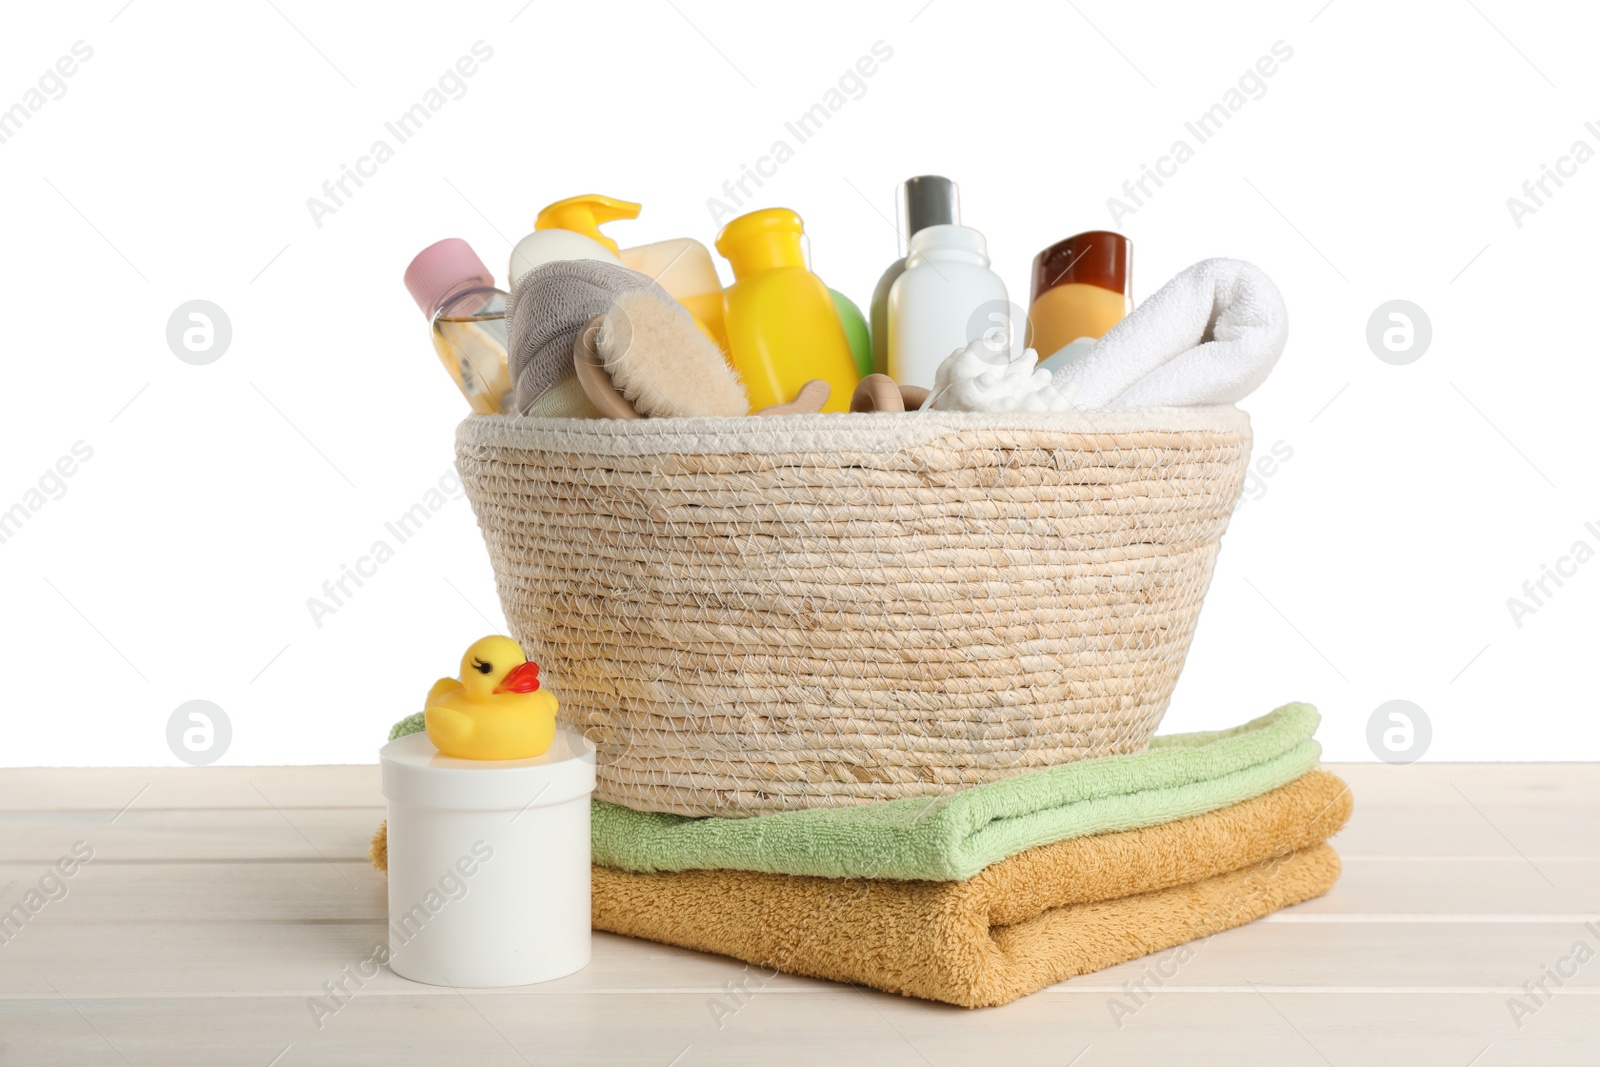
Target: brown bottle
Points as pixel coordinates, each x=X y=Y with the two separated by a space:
x=1082 y=287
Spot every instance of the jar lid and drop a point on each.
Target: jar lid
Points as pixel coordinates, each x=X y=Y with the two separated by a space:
x=414 y=772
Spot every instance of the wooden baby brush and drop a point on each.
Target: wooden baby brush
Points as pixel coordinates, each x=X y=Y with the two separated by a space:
x=645 y=356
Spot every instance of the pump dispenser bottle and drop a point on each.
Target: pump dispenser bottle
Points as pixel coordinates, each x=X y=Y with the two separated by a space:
x=570 y=229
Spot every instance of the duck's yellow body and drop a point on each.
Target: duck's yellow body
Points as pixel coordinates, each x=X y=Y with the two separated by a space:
x=495 y=710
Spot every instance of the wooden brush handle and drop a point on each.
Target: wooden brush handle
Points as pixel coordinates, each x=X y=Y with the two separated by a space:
x=596 y=383
x=877 y=392
x=809 y=401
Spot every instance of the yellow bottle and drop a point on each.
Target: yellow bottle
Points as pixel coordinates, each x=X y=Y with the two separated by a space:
x=681 y=266
x=783 y=329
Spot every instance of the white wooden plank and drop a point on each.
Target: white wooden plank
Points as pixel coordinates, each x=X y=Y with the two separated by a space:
x=1539 y=785
x=831 y=1026
x=317 y=891
x=185 y=835
x=153 y=788
x=123 y=959
x=1487 y=830
x=314 y=891
x=1454 y=886
x=234 y=959
x=1493 y=957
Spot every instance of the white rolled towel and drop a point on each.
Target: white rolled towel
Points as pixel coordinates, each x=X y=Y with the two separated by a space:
x=1209 y=336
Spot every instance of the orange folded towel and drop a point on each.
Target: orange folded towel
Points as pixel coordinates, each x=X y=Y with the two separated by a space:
x=1037 y=918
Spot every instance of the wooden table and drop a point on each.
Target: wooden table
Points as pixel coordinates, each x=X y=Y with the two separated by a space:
x=220 y=900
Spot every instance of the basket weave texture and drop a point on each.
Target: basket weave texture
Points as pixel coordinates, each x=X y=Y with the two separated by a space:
x=755 y=615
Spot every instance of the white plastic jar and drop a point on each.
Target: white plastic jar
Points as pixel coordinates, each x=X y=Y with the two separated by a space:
x=488 y=863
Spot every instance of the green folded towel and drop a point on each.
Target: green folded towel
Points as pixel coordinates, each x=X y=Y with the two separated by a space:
x=954 y=837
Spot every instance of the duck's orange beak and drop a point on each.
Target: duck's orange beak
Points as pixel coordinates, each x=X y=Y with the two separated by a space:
x=523 y=678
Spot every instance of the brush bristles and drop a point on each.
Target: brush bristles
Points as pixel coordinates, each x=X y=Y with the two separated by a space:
x=660 y=360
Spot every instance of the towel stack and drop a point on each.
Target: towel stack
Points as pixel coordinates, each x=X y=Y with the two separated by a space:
x=989 y=894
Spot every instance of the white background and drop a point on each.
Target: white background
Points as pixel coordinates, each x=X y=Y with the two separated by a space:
x=1375 y=564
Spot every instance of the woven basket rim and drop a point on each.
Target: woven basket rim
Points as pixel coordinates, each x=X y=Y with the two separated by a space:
x=866 y=431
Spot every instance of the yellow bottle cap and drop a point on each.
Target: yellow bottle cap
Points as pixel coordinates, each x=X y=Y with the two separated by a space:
x=762 y=240
x=584 y=214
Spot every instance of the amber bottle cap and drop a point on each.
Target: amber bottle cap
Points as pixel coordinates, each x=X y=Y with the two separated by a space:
x=1097 y=257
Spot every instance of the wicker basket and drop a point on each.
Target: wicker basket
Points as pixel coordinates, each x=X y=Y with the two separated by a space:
x=753 y=615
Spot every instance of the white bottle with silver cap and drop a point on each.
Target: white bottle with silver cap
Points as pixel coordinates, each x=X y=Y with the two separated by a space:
x=947 y=298
x=927 y=200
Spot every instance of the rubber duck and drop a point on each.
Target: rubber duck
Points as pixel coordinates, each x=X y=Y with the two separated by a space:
x=495 y=710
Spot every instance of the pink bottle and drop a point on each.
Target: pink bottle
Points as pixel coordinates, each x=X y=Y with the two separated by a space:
x=457 y=294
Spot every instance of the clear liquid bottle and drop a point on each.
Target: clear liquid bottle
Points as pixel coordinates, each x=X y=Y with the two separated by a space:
x=468 y=314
